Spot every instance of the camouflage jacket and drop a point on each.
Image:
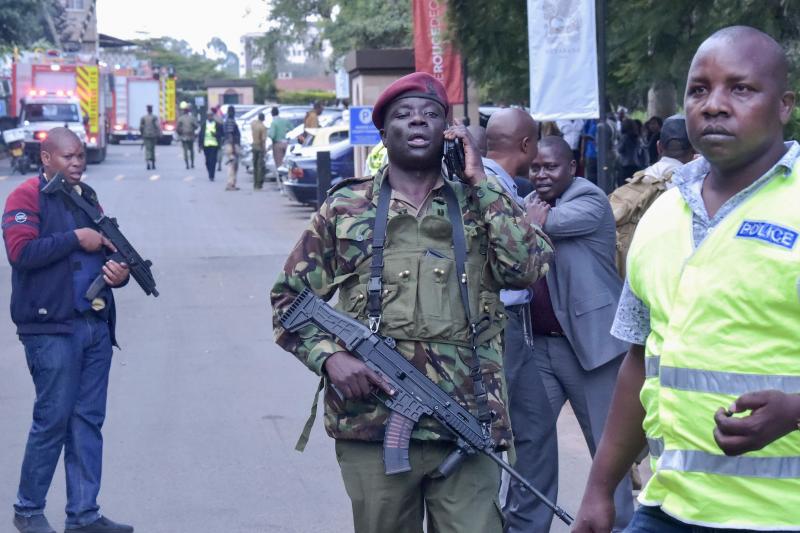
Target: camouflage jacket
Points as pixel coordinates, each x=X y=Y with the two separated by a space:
x=149 y=127
x=338 y=242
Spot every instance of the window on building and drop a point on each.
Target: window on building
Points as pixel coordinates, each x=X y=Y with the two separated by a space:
x=75 y=4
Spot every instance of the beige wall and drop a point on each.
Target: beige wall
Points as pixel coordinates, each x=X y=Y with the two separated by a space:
x=215 y=95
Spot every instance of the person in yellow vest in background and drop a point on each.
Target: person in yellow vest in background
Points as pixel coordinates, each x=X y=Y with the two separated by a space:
x=209 y=142
x=712 y=306
x=376 y=159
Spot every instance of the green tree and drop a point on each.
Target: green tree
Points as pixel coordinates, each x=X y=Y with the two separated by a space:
x=23 y=23
x=192 y=69
x=649 y=42
x=346 y=24
x=492 y=36
x=369 y=24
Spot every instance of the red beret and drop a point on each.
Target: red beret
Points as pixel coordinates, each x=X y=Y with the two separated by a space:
x=418 y=84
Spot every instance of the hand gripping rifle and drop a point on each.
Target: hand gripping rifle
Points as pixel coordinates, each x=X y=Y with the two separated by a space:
x=415 y=394
x=126 y=253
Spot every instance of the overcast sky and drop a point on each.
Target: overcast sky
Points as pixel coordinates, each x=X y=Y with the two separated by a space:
x=191 y=20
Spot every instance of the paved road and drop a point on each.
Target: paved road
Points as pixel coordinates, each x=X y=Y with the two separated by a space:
x=204 y=409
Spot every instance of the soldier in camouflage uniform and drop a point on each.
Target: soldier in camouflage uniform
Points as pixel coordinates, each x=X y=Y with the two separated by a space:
x=421 y=310
x=151 y=131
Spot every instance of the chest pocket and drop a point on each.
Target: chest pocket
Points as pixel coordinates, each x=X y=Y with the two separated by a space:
x=421 y=299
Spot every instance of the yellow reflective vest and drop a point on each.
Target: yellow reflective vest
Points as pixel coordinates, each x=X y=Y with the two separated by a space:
x=725 y=320
x=210 y=138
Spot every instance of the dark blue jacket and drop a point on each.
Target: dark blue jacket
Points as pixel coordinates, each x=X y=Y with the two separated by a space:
x=38 y=231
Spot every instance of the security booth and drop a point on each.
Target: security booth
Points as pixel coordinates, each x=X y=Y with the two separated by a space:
x=235 y=92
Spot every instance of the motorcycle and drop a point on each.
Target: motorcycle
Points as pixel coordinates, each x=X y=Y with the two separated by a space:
x=15 y=141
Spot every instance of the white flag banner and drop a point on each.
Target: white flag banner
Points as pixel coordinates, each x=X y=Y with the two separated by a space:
x=563 y=59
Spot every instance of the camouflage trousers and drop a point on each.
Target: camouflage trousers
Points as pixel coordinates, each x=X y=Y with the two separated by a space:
x=258 y=169
x=464 y=502
x=188 y=152
x=149 y=148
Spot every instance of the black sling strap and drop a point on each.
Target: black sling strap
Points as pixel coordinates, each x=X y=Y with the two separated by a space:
x=476 y=328
x=375 y=285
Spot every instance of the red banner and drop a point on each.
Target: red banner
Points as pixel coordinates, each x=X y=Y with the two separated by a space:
x=432 y=54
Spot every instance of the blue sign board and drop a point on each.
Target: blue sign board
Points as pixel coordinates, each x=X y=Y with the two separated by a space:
x=362 y=131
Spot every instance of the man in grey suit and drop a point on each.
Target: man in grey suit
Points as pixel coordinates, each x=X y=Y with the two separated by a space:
x=572 y=309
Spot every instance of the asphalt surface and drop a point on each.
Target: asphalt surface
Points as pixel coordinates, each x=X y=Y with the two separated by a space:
x=203 y=408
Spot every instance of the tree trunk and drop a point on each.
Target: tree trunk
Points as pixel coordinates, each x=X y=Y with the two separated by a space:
x=662 y=100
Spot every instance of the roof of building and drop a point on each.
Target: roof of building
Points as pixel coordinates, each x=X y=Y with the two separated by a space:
x=230 y=83
x=319 y=83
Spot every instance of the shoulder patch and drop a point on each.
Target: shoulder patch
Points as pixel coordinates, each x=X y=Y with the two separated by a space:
x=349 y=182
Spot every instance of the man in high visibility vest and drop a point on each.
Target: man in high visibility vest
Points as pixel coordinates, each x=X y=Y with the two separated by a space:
x=711 y=304
x=209 y=141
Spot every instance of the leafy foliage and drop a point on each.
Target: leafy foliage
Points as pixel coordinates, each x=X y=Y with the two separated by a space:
x=304 y=97
x=648 y=41
x=493 y=38
x=192 y=68
x=369 y=24
x=22 y=22
x=347 y=24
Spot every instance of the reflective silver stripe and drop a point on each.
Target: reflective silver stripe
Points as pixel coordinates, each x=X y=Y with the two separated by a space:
x=656 y=446
x=741 y=466
x=716 y=382
x=651 y=365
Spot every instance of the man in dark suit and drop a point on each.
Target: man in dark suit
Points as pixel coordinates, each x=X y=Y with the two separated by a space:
x=572 y=310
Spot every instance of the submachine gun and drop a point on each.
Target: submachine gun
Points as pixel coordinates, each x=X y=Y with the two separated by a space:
x=126 y=253
x=415 y=394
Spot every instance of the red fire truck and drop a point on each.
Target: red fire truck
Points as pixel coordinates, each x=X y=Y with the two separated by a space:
x=50 y=90
x=132 y=95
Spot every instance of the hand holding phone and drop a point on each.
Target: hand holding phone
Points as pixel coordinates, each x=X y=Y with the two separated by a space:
x=472 y=166
x=454 y=159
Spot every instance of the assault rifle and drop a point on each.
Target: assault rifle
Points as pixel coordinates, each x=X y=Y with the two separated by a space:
x=126 y=253
x=415 y=394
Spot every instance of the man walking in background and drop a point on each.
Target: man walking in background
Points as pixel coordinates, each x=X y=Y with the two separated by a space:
x=231 y=142
x=277 y=133
x=209 y=142
x=150 y=130
x=186 y=129
x=259 y=147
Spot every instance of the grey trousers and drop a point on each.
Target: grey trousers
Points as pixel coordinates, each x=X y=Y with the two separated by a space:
x=552 y=365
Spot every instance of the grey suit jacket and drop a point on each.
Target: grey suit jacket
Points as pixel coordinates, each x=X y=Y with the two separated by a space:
x=584 y=285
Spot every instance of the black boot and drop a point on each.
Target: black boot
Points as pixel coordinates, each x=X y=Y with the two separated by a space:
x=101 y=525
x=34 y=524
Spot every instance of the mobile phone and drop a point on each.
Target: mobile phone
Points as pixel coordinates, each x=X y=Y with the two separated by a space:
x=454 y=158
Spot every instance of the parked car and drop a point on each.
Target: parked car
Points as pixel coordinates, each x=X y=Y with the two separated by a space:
x=301 y=183
x=315 y=139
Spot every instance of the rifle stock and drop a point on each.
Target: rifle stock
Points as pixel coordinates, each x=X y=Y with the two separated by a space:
x=415 y=394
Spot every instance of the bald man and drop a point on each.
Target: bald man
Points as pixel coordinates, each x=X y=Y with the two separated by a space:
x=710 y=306
x=572 y=308
x=55 y=253
x=510 y=139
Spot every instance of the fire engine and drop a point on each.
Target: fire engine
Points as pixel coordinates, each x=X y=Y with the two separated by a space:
x=132 y=95
x=50 y=91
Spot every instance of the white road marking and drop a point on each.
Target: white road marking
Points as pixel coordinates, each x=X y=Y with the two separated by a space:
x=3 y=178
x=188 y=178
x=119 y=177
x=154 y=177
